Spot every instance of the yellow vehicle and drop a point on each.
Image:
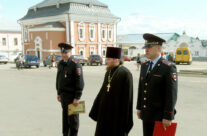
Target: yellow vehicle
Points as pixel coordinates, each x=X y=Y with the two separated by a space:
x=183 y=55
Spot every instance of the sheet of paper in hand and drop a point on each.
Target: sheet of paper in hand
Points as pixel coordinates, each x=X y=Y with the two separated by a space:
x=72 y=109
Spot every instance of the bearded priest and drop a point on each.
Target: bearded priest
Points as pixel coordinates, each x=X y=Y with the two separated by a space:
x=113 y=106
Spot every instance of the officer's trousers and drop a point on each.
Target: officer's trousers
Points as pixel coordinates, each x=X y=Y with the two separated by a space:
x=148 y=128
x=70 y=124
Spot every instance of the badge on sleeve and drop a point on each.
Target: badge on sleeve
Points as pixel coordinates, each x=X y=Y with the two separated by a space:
x=79 y=71
x=174 y=76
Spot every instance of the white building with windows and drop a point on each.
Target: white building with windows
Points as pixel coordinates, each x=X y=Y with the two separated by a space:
x=132 y=44
x=10 y=43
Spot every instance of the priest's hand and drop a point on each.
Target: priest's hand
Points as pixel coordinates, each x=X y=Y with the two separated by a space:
x=139 y=114
x=59 y=98
x=75 y=102
x=166 y=123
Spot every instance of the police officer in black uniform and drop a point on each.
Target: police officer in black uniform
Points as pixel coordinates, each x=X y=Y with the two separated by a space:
x=69 y=85
x=157 y=91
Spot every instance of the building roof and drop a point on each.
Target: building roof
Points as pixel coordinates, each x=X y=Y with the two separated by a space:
x=138 y=38
x=50 y=25
x=47 y=3
x=204 y=43
x=80 y=7
x=10 y=31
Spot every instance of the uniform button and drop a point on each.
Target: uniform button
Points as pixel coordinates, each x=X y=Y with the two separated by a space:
x=144 y=106
x=145 y=91
x=145 y=99
x=145 y=84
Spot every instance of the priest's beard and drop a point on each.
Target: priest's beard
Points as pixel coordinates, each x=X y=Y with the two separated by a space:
x=109 y=68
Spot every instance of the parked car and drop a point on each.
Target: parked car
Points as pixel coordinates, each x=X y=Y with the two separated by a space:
x=48 y=60
x=126 y=58
x=3 y=59
x=95 y=59
x=80 y=59
x=31 y=60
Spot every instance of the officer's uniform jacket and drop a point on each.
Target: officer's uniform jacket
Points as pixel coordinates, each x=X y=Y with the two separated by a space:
x=70 y=78
x=157 y=92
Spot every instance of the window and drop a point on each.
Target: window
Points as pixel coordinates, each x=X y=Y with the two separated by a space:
x=91 y=53
x=81 y=31
x=104 y=52
x=81 y=53
x=46 y=35
x=185 y=52
x=110 y=32
x=92 y=50
x=25 y=35
x=92 y=32
x=4 y=41
x=15 y=41
x=103 y=32
x=179 y=52
x=31 y=36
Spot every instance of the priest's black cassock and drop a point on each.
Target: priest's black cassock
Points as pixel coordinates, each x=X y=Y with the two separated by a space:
x=113 y=110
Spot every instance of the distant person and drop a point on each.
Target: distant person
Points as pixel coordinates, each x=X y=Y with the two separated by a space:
x=53 y=59
x=167 y=56
x=138 y=61
x=20 y=61
x=170 y=58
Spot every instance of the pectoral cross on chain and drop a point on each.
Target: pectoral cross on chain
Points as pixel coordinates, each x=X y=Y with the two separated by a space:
x=108 y=87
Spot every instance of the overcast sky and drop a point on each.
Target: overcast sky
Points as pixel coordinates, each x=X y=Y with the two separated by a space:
x=137 y=16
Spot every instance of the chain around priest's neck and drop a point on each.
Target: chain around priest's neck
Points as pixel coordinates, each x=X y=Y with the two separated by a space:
x=111 y=77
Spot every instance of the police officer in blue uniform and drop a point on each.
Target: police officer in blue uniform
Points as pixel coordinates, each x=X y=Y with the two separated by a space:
x=158 y=85
x=69 y=85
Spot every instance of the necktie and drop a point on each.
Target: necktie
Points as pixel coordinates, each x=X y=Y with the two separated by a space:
x=150 y=69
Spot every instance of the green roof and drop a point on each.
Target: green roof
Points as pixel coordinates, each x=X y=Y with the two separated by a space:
x=204 y=43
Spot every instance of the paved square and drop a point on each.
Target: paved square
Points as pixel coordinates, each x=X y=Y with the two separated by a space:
x=28 y=104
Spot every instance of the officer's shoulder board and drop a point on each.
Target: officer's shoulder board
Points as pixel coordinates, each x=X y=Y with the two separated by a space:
x=75 y=61
x=167 y=62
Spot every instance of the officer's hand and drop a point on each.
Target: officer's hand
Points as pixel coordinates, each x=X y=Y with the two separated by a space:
x=59 y=98
x=139 y=114
x=75 y=102
x=166 y=123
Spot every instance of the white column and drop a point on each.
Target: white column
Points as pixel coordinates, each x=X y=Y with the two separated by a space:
x=72 y=37
x=115 y=34
x=99 y=39
x=22 y=39
x=67 y=30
